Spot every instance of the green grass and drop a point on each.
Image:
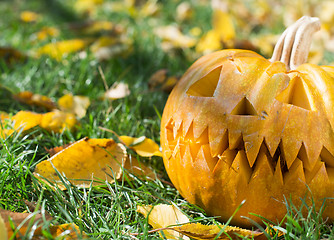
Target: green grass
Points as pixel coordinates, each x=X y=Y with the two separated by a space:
x=107 y=211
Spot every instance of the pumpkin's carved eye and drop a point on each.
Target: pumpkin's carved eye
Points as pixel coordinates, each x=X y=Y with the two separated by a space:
x=206 y=86
x=297 y=94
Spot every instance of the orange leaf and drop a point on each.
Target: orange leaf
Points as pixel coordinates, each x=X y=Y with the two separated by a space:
x=30 y=98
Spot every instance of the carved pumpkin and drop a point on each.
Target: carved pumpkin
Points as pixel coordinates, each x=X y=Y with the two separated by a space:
x=241 y=127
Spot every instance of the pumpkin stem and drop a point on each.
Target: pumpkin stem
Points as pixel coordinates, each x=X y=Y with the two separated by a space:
x=293 y=46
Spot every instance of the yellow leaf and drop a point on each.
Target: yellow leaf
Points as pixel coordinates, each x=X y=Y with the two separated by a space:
x=74 y=104
x=30 y=98
x=173 y=36
x=107 y=47
x=210 y=42
x=162 y=216
x=46 y=32
x=87 y=6
x=199 y=231
x=58 y=121
x=84 y=161
x=3 y=229
x=223 y=25
x=58 y=50
x=26 y=120
x=143 y=146
x=28 y=16
x=118 y=90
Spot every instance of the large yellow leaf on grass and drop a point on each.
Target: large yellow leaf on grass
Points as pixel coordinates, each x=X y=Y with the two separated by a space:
x=144 y=146
x=58 y=50
x=167 y=216
x=162 y=216
x=84 y=161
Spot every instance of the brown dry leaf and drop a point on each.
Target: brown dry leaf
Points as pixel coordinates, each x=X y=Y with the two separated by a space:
x=161 y=79
x=144 y=146
x=200 y=231
x=30 y=98
x=172 y=37
x=74 y=104
x=107 y=47
x=117 y=91
x=29 y=16
x=163 y=216
x=24 y=220
x=58 y=50
x=11 y=55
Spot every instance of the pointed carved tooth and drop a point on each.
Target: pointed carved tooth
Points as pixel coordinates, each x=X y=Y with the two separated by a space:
x=295 y=173
x=302 y=155
x=327 y=157
x=201 y=162
x=234 y=139
x=203 y=138
x=311 y=174
x=290 y=149
x=278 y=172
x=272 y=144
x=252 y=147
x=187 y=123
x=187 y=156
x=218 y=139
x=263 y=168
x=241 y=167
x=199 y=128
x=321 y=175
x=177 y=129
x=330 y=173
x=176 y=149
x=189 y=135
x=211 y=161
x=225 y=161
x=313 y=152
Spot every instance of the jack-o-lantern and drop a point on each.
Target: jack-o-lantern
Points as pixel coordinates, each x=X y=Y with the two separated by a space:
x=241 y=127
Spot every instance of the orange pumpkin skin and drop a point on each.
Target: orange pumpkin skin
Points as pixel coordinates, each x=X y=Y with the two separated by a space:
x=238 y=127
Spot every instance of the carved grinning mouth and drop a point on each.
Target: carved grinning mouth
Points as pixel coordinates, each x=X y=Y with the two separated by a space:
x=232 y=152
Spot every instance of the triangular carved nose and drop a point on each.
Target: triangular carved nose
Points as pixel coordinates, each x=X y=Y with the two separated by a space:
x=244 y=107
